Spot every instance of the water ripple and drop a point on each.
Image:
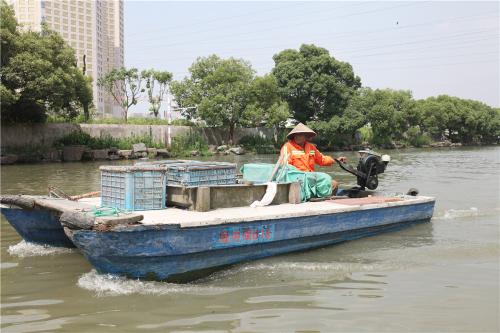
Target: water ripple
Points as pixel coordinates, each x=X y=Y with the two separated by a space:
x=110 y=285
x=37 y=326
x=26 y=249
x=39 y=302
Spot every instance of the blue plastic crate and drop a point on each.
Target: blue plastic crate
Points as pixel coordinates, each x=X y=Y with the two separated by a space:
x=197 y=173
x=133 y=187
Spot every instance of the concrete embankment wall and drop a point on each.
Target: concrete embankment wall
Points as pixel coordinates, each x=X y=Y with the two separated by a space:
x=34 y=135
x=26 y=135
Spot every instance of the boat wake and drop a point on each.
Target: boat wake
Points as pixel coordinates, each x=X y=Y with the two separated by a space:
x=268 y=274
x=6 y=265
x=110 y=285
x=26 y=249
x=451 y=214
x=242 y=277
x=311 y=267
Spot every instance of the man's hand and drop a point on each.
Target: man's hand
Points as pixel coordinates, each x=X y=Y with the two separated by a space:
x=342 y=159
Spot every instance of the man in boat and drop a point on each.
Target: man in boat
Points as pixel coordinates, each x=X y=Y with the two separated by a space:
x=304 y=155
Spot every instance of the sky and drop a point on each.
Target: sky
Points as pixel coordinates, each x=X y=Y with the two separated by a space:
x=428 y=47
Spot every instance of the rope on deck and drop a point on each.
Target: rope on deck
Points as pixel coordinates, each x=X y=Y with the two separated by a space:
x=108 y=211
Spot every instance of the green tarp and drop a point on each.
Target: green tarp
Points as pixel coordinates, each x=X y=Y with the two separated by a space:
x=312 y=184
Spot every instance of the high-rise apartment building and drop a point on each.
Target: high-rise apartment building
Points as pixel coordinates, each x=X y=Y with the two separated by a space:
x=94 y=28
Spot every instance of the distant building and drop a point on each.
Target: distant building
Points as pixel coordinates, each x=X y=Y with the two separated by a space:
x=94 y=28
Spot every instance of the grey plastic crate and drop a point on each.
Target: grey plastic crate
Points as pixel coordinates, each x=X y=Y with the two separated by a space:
x=200 y=173
x=133 y=187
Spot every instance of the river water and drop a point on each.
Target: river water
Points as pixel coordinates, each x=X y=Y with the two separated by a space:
x=438 y=276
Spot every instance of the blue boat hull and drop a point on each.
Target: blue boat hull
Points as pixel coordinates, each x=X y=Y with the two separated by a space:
x=37 y=226
x=168 y=252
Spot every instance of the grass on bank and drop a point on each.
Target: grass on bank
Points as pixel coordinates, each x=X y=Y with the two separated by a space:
x=141 y=121
x=120 y=121
x=259 y=145
x=186 y=144
x=81 y=138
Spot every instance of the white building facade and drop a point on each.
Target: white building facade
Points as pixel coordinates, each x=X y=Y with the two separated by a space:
x=93 y=28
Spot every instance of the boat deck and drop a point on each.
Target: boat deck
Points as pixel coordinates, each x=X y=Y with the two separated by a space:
x=187 y=218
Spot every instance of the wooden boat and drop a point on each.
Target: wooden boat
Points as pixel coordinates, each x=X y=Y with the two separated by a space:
x=37 y=218
x=179 y=245
x=217 y=227
x=37 y=226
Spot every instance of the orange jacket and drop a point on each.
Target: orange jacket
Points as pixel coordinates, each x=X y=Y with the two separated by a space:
x=305 y=158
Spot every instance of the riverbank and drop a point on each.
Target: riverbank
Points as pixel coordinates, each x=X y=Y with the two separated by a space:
x=67 y=142
x=81 y=147
x=53 y=142
x=144 y=148
x=21 y=136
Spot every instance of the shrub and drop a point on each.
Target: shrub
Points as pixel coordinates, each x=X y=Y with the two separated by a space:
x=182 y=122
x=137 y=121
x=74 y=138
x=183 y=144
x=366 y=134
x=258 y=144
x=146 y=121
x=81 y=138
x=416 y=138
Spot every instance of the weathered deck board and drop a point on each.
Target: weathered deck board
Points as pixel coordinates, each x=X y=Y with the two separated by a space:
x=62 y=205
x=365 y=201
x=187 y=218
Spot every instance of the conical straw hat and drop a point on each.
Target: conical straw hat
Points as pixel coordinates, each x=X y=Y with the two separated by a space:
x=301 y=128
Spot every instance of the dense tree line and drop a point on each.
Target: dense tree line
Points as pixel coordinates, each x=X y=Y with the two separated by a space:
x=311 y=86
x=461 y=120
x=39 y=77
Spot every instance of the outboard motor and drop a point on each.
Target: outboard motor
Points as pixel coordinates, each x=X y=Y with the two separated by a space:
x=370 y=165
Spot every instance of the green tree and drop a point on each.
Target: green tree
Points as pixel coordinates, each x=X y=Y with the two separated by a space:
x=488 y=128
x=8 y=32
x=157 y=84
x=390 y=113
x=459 y=120
x=85 y=96
x=218 y=89
x=38 y=74
x=316 y=85
x=441 y=116
x=266 y=108
x=125 y=85
x=341 y=129
x=185 y=98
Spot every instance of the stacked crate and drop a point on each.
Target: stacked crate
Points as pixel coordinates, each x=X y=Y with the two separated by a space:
x=143 y=186
x=133 y=187
x=196 y=173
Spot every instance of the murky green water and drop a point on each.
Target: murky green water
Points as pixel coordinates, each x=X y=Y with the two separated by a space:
x=439 y=276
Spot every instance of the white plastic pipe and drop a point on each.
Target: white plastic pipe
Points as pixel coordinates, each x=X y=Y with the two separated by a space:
x=268 y=197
